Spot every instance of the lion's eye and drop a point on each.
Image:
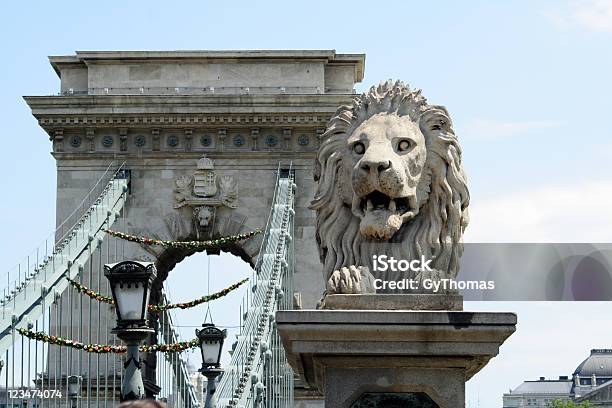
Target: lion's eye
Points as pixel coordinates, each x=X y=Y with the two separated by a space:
x=359 y=148
x=403 y=145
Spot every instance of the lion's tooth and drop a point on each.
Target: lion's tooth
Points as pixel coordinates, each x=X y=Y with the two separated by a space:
x=369 y=205
x=392 y=206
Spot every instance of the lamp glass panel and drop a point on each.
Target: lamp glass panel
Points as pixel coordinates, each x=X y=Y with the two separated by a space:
x=210 y=351
x=73 y=386
x=129 y=300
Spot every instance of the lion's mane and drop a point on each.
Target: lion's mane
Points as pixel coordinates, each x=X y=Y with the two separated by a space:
x=436 y=231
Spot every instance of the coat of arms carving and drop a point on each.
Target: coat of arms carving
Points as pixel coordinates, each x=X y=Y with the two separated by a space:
x=204 y=192
x=205 y=178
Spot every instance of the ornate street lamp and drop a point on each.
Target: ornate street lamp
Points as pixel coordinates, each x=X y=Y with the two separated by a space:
x=130 y=283
x=211 y=344
x=74 y=388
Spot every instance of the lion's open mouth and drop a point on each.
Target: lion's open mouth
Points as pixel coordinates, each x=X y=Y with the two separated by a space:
x=381 y=215
x=378 y=201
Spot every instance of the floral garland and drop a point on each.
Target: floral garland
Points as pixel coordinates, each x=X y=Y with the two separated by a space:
x=198 y=245
x=198 y=301
x=171 y=348
x=105 y=348
x=159 y=308
x=91 y=293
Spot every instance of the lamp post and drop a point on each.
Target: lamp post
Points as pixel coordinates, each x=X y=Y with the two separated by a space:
x=211 y=344
x=130 y=283
x=74 y=389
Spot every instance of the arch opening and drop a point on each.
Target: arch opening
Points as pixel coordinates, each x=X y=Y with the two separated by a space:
x=183 y=275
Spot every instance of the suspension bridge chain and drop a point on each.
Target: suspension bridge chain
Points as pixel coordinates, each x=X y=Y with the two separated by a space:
x=36 y=296
x=259 y=374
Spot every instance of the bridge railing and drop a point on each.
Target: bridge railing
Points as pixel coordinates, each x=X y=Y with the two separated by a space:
x=258 y=374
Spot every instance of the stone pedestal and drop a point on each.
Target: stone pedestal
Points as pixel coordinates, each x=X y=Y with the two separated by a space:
x=366 y=358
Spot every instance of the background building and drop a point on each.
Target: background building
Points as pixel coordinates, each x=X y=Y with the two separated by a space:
x=591 y=381
x=538 y=393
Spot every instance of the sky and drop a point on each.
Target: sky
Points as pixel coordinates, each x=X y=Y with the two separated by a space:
x=527 y=85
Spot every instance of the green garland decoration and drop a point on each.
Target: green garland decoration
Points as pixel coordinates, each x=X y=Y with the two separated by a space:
x=198 y=301
x=198 y=245
x=91 y=293
x=159 y=308
x=106 y=348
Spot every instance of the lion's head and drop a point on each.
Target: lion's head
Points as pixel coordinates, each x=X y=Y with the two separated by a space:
x=204 y=215
x=389 y=170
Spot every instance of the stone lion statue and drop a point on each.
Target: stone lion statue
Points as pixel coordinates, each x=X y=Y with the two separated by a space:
x=390 y=178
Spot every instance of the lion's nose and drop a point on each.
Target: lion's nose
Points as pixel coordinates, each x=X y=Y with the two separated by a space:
x=377 y=166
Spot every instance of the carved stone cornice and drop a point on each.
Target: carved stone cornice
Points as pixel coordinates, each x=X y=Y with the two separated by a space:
x=189 y=103
x=138 y=127
x=182 y=111
x=52 y=121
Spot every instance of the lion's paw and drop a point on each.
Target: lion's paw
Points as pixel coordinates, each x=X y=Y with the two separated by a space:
x=351 y=280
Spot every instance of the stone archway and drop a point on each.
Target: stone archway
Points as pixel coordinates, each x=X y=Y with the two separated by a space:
x=180 y=223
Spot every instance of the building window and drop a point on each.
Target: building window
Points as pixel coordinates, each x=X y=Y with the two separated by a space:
x=532 y=402
x=585 y=381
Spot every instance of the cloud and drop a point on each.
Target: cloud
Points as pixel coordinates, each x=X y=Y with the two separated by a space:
x=556 y=213
x=492 y=129
x=589 y=15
